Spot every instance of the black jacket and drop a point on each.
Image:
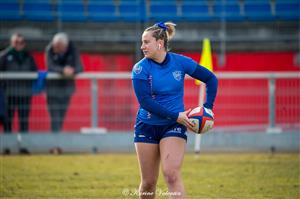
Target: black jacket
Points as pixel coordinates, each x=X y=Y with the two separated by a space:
x=13 y=61
x=56 y=63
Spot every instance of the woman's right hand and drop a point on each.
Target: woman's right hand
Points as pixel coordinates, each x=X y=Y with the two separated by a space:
x=184 y=120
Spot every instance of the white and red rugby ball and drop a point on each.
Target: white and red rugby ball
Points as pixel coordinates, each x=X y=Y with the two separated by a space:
x=202 y=118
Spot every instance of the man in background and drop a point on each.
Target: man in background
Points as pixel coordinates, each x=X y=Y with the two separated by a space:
x=17 y=93
x=61 y=57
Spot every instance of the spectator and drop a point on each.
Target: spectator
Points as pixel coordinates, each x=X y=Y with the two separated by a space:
x=61 y=57
x=17 y=92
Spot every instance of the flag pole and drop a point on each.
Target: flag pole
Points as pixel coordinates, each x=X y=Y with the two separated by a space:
x=198 y=137
x=205 y=61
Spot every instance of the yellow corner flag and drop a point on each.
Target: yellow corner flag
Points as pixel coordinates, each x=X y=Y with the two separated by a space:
x=206 y=57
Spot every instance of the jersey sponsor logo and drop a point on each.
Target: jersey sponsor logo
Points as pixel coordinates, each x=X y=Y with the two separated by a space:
x=176 y=130
x=137 y=69
x=177 y=75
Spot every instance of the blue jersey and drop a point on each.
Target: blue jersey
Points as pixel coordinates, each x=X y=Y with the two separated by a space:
x=166 y=82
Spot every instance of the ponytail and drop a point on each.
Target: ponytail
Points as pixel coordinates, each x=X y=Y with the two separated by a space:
x=170 y=30
x=164 y=31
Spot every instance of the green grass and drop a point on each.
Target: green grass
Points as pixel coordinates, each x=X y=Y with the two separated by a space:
x=105 y=176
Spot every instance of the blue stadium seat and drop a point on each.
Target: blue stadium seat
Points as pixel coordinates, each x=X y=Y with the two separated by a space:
x=72 y=11
x=37 y=1
x=163 y=1
x=216 y=2
x=10 y=10
x=257 y=1
x=287 y=10
x=232 y=12
x=9 y=1
x=287 y=1
x=38 y=11
x=131 y=10
x=258 y=11
x=163 y=11
x=195 y=11
x=102 y=11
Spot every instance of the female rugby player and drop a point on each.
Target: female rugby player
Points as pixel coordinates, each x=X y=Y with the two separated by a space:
x=161 y=122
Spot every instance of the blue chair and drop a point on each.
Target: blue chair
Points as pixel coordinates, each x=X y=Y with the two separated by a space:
x=10 y=11
x=287 y=1
x=38 y=11
x=37 y=1
x=131 y=11
x=195 y=11
x=288 y=11
x=258 y=12
x=71 y=11
x=257 y=1
x=102 y=11
x=163 y=1
x=216 y=2
x=163 y=11
x=232 y=12
x=99 y=2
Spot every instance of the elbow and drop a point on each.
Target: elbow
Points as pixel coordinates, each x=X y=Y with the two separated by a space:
x=216 y=83
x=212 y=83
x=212 y=79
x=216 y=80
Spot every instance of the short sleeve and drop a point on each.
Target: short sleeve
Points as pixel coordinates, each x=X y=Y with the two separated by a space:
x=139 y=71
x=188 y=64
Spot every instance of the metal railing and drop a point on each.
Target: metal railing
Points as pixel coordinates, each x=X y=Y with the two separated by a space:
x=239 y=92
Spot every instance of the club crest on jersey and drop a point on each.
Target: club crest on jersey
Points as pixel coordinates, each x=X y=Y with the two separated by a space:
x=177 y=75
x=137 y=69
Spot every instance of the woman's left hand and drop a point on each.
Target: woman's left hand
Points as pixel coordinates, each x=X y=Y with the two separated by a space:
x=184 y=120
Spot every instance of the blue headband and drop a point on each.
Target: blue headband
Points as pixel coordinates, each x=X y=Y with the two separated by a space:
x=162 y=25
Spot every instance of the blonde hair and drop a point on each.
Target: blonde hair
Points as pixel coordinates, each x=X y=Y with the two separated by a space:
x=170 y=30
x=164 y=31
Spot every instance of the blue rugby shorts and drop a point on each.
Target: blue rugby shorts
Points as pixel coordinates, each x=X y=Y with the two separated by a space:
x=148 y=133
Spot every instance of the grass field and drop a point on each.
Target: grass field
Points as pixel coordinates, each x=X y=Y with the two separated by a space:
x=105 y=176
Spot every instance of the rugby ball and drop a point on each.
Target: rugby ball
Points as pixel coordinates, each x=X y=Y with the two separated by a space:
x=202 y=118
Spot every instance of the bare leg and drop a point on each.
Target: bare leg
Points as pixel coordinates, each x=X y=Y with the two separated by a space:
x=172 y=153
x=148 y=157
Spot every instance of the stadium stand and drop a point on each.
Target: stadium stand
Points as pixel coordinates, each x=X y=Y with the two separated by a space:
x=198 y=11
x=162 y=10
x=102 y=11
x=142 y=10
x=258 y=11
x=115 y=23
x=71 y=11
x=232 y=11
x=38 y=11
x=131 y=11
x=287 y=10
x=10 y=10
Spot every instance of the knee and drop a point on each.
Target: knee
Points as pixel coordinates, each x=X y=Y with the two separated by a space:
x=148 y=184
x=171 y=176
